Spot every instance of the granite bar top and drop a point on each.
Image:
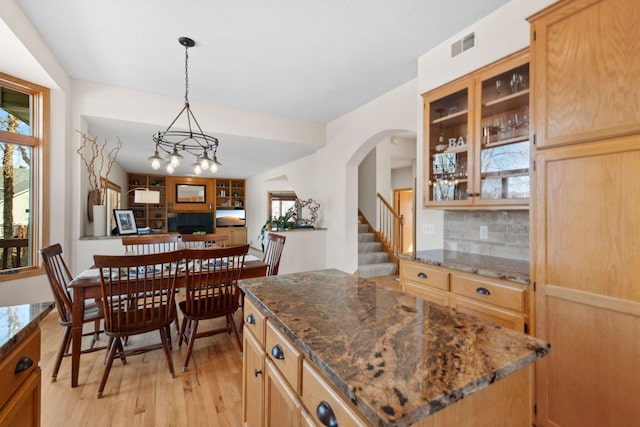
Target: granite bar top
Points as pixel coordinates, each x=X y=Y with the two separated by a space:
x=490 y=266
x=17 y=321
x=398 y=358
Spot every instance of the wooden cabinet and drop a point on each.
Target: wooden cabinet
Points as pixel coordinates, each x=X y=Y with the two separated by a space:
x=190 y=194
x=237 y=235
x=230 y=193
x=153 y=215
x=20 y=393
x=476 y=139
x=277 y=390
x=499 y=301
x=586 y=63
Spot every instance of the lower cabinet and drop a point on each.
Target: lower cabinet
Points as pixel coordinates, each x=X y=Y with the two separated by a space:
x=499 y=301
x=236 y=235
x=281 y=388
x=20 y=390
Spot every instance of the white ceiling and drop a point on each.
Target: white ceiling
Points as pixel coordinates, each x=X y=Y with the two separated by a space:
x=303 y=59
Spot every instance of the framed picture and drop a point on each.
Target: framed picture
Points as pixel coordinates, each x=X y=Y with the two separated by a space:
x=125 y=221
x=191 y=193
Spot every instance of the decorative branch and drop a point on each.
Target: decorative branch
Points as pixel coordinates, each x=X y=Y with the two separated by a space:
x=94 y=157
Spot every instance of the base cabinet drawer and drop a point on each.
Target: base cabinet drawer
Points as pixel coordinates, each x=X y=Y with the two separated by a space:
x=254 y=320
x=422 y=273
x=504 y=318
x=426 y=293
x=325 y=405
x=488 y=291
x=283 y=355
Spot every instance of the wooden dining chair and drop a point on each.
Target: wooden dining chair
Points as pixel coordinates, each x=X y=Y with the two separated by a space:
x=211 y=291
x=149 y=281
x=150 y=244
x=201 y=241
x=273 y=252
x=59 y=278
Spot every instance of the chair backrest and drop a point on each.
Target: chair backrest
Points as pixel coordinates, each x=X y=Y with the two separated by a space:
x=201 y=241
x=273 y=252
x=59 y=277
x=150 y=244
x=148 y=282
x=212 y=279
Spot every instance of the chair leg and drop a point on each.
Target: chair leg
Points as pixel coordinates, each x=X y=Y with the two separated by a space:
x=96 y=335
x=64 y=348
x=183 y=331
x=111 y=353
x=192 y=337
x=165 y=337
x=235 y=330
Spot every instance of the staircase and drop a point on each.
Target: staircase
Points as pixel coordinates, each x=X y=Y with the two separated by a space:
x=372 y=260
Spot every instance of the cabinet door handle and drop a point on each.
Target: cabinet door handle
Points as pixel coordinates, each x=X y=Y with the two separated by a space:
x=251 y=320
x=325 y=415
x=277 y=352
x=257 y=372
x=422 y=275
x=483 y=291
x=23 y=364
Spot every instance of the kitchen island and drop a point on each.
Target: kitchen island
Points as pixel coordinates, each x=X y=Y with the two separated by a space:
x=392 y=358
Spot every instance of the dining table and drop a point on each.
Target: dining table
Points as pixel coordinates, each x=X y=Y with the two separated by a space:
x=87 y=285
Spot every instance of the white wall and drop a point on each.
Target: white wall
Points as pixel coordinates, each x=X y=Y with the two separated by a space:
x=402 y=178
x=367 y=187
x=25 y=55
x=497 y=35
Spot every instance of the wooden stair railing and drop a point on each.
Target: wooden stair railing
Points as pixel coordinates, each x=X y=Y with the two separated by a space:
x=390 y=226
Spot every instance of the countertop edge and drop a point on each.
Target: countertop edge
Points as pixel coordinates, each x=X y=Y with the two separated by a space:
x=14 y=340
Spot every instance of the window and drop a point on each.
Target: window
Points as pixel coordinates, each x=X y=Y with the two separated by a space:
x=23 y=107
x=281 y=202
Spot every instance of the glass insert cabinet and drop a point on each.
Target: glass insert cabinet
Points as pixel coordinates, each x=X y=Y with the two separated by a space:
x=476 y=138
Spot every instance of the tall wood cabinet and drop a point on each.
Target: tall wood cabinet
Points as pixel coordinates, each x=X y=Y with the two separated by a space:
x=476 y=138
x=585 y=213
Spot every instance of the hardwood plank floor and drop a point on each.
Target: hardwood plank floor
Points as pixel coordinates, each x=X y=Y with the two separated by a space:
x=142 y=392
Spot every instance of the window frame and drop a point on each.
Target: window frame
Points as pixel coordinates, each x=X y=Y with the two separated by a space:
x=281 y=195
x=39 y=197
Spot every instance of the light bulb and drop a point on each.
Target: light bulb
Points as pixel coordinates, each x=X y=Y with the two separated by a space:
x=214 y=168
x=175 y=161
x=170 y=168
x=155 y=163
x=204 y=163
x=197 y=170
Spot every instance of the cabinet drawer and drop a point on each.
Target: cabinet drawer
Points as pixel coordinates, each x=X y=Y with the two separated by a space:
x=29 y=349
x=422 y=273
x=490 y=291
x=254 y=320
x=426 y=293
x=504 y=318
x=318 y=394
x=284 y=355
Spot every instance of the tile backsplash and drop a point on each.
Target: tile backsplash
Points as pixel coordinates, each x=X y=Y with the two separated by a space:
x=507 y=233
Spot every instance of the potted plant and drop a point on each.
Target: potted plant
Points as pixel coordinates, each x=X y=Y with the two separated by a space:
x=282 y=222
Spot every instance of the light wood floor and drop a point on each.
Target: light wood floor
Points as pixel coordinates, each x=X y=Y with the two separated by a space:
x=141 y=392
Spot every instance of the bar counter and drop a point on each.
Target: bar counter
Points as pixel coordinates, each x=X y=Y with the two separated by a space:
x=397 y=358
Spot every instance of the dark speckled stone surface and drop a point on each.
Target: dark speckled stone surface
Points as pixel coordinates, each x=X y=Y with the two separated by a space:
x=396 y=357
x=499 y=268
x=17 y=321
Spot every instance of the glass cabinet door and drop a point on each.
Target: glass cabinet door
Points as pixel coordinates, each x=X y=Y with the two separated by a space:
x=504 y=145
x=448 y=129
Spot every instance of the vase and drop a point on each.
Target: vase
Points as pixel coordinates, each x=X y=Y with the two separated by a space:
x=99 y=220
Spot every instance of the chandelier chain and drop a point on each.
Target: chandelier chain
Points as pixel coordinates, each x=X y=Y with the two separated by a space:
x=186 y=74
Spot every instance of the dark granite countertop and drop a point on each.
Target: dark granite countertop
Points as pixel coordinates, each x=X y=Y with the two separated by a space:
x=17 y=321
x=499 y=268
x=398 y=358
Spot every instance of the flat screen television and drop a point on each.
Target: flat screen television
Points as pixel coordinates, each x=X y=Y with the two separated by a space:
x=230 y=218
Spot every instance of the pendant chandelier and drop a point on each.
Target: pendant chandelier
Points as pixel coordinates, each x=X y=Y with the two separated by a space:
x=176 y=143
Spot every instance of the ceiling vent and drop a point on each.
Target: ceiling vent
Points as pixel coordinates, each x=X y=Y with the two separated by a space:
x=464 y=44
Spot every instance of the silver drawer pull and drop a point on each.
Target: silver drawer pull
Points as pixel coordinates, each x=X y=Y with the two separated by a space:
x=277 y=352
x=251 y=319
x=422 y=275
x=483 y=291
